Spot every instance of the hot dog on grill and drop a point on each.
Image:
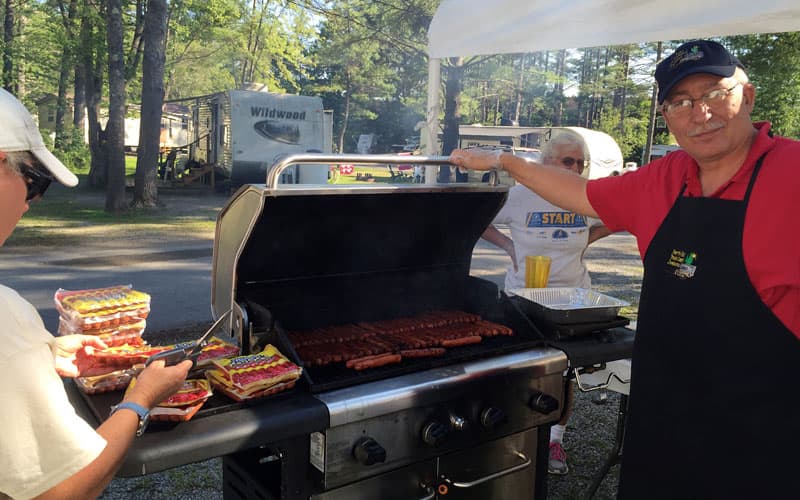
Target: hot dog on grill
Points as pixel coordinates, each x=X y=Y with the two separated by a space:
x=429 y=352
x=462 y=341
x=376 y=361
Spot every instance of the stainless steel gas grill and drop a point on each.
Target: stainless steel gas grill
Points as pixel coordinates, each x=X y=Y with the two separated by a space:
x=465 y=423
x=369 y=271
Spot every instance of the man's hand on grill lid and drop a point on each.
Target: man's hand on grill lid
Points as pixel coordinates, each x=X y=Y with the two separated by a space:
x=476 y=159
x=157 y=382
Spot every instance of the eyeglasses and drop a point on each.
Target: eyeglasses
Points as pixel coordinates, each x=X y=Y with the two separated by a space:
x=683 y=107
x=569 y=162
x=36 y=180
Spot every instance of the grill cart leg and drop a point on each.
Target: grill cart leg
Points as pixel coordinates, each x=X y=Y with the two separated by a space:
x=542 y=457
x=615 y=456
x=277 y=471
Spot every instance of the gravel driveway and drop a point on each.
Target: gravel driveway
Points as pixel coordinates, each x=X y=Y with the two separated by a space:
x=615 y=268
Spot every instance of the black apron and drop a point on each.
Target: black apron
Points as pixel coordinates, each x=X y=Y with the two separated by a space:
x=714 y=407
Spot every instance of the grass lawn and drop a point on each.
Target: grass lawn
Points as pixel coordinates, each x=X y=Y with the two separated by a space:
x=67 y=215
x=78 y=215
x=362 y=175
x=130 y=166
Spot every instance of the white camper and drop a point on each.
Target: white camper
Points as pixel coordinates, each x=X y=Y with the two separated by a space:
x=243 y=132
x=604 y=153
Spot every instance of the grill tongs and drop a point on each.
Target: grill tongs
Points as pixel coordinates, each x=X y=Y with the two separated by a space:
x=175 y=356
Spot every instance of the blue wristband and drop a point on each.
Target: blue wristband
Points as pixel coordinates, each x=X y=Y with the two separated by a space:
x=141 y=411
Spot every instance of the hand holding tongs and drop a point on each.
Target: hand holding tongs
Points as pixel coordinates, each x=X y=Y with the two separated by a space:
x=175 y=356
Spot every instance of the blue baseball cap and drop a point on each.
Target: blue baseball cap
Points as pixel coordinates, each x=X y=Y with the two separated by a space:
x=697 y=56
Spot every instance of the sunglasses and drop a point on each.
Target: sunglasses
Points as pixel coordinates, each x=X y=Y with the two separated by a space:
x=569 y=161
x=36 y=180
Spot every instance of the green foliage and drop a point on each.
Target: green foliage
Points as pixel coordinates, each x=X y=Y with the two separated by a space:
x=75 y=153
x=201 y=46
x=369 y=58
x=773 y=65
x=368 y=62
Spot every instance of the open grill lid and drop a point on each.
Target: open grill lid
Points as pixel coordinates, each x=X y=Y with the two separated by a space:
x=302 y=249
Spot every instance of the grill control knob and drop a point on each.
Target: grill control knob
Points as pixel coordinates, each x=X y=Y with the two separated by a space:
x=457 y=423
x=492 y=418
x=368 y=452
x=435 y=434
x=543 y=403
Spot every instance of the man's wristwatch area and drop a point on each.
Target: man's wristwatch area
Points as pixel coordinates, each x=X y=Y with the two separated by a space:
x=141 y=411
x=498 y=163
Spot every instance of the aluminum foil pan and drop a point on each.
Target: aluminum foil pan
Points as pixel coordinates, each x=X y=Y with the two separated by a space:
x=568 y=305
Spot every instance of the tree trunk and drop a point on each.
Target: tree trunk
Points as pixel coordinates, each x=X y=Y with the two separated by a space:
x=93 y=67
x=69 y=12
x=61 y=102
x=145 y=190
x=623 y=86
x=79 y=103
x=651 y=123
x=520 y=87
x=131 y=63
x=558 y=91
x=484 y=102
x=115 y=129
x=345 y=119
x=8 y=44
x=453 y=86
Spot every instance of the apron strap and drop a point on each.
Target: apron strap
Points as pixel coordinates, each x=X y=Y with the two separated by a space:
x=753 y=177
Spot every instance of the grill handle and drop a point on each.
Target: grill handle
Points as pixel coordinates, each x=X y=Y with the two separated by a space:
x=277 y=168
x=445 y=483
x=605 y=385
x=431 y=493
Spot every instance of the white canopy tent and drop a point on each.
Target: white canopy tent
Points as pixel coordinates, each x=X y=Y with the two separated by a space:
x=481 y=27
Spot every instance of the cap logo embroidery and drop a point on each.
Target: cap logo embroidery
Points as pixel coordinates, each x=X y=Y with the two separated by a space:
x=684 y=56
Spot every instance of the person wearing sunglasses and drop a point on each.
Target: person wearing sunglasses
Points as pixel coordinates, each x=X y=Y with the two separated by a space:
x=47 y=450
x=717 y=345
x=538 y=227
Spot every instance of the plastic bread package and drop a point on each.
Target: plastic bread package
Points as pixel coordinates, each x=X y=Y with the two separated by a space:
x=216 y=349
x=112 y=381
x=254 y=375
x=126 y=355
x=239 y=395
x=100 y=308
x=184 y=404
x=126 y=333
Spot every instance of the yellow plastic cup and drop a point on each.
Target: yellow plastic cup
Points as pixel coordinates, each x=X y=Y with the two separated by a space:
x=537 y=271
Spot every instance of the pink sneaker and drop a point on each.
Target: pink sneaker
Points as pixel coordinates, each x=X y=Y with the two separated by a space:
x=558 y=459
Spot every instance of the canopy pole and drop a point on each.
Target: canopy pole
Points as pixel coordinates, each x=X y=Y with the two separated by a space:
x=432 y=124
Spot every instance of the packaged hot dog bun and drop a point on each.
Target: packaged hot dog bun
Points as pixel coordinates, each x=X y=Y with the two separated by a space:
x=112 y=381
x=115 y=311
x=184 y=404
x=254 y=375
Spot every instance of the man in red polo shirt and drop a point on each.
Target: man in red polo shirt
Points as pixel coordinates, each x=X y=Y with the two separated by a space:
x=718 y=335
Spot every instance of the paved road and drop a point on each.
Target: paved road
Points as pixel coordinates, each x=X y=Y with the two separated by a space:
x=178 y=280
x=178 y=277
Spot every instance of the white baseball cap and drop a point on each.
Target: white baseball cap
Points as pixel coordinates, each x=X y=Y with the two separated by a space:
x=18 y=132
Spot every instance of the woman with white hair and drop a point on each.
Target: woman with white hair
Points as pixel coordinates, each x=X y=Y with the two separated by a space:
x=540 y=228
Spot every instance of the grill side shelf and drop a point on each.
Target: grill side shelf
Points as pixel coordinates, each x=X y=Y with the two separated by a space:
x=239 y=427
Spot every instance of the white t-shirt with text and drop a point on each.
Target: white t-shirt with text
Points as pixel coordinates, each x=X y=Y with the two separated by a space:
x=540 y=228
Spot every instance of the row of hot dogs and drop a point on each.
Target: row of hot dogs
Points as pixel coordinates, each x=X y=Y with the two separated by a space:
x=369 y=345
